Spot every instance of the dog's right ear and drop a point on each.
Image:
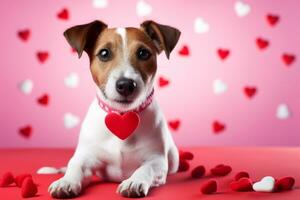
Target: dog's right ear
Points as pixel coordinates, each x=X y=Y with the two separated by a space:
x=83 y=36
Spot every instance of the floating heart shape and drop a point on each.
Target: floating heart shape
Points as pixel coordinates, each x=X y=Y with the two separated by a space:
x=43 y=100
x=284 y=184
x=240 y=175
x=219 y=87
x=71 y=120
x=198 y=172
x=265 y=185
x=163 y=82
x=122 y=126
x=6 y=179
x=174 y=124
x=186 y=155
x=242 y=185
x=209 y=187
x=218 y=127
x=241 y=9
x=100 y=3
x=283 y=111
x=288 y=59
x=223 y=53
x=262 y=43
x=72 y=80
x=26 y=86
x=184 y=51
x=26 y=131
x=250 y=91
x=20 y=179
x=63 y=14
x=42 y=56
x=143 y=9
x=200 y=25
x=29 y=188
x=272 y=19
x=24 y=34
x=221 y=170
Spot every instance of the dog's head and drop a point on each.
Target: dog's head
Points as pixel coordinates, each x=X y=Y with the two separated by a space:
x=123 y=60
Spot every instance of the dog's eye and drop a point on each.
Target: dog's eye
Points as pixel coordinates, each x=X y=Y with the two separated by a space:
x=143 y=54
x=104 y=55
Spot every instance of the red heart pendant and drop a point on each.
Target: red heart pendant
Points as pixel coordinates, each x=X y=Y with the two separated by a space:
x=242 y=185
x=122 y=126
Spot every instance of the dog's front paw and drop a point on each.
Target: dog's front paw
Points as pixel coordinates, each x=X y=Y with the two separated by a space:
x=133 y=188
x=64 y=188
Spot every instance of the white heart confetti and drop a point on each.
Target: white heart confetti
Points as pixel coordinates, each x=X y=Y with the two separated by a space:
x=72 y=80
x=100 y=3
x=143 y=9
x=26 y=86
x=283 y=111
x=200 y=25
x=71 y=120
x=219 y=87
x=241 y=9
x=265 y=185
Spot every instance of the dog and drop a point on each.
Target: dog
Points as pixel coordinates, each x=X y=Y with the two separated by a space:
x=123 y=64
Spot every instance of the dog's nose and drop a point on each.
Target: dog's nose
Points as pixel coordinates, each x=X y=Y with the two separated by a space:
x=125 y=86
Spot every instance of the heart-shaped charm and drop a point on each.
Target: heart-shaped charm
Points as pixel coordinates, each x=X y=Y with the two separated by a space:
x=284 y=184
x=272 y=19
x=29 y=188
x=174 y=124
x=20 y=178
x=63 y=14
x=265 y=185
x=200 y=25
x=163 y=82
x=219 y=87
x=209 y=187
x=24 y=34
x=198 y=171
x=262 y=43
x=283 y=111
x=72 y=80
x=143 y=8
x=241 y=9
x=6 y=179
x=184 y=51
x=223 y=53
x=242 y=185
x=26 y=86
x=122 y=126
x=221 y=170
x=240 y=175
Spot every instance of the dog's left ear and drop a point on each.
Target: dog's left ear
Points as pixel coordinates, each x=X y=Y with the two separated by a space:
x=164 y=37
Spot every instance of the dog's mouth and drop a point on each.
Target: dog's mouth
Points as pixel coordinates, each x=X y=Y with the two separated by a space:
x=123 y=101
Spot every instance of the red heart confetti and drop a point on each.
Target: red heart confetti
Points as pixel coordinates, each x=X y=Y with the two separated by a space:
x=43 y=100
x=29 y=188
x=240 y=175
x=272 y=19
x=284 y=184
x=42 y=56
x=6 y=179
x=63 y=14
x=223 y=53
x=198 y=171
x=221 y=170
x=186 y=155
x=162 y=82
x=183 y=166
x=174 y=124
x=209 y=187
x=242 y=185
x=122 y=126
x=20 y=179
x=24 y=34
x=262 y=43
x=288 y=59
x=218 y=127
x=184 y=51
x=26 y=131
x=250 y=91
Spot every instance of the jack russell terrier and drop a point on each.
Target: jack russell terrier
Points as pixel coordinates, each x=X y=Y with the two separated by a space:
x=139 y=151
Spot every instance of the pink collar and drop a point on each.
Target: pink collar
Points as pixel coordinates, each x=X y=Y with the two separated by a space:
x=140 y=108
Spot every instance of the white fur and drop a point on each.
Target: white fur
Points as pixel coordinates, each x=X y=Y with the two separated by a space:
x=140 y=162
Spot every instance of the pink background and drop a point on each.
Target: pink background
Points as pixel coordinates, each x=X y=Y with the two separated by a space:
x=189 y=97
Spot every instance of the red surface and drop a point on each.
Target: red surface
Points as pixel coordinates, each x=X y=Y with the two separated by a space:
x=259 y=162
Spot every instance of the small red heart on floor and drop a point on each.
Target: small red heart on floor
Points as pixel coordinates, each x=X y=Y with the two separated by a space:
x=122 y=126
x=43 y=100
x=24 y=34
x=198 y=172
x=184 y=51
x=42 y=56
x=174 y=124
x=288 y=59
x=218 y=127
x=26 y=131
x=272 y=19
x=186 y=155
x=240 y=175
x=63 y=14
x=209 y=187
x=20 y=178
x=29 y=188
x=250 y=91
x=162 y=82
x=262 y=43
x=6 y=179
x=223 y=53
x=242 y=185
x=283 y=184
x=183 y=166
x=221 y=170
